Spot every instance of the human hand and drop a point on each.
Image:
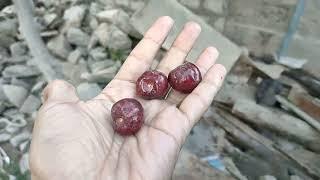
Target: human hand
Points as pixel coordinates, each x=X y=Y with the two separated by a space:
x=73 y=139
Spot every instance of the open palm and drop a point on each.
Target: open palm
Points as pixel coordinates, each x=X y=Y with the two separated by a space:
x=73 y=139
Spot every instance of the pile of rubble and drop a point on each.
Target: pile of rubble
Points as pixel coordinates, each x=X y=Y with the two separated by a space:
x=87 y=42
x=263 y=124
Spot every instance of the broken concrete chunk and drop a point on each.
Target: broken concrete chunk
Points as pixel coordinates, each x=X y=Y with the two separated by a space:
x=100 y=65
x=116 y=16
x=107 y=15
x=87 y=91
x=18 y=49
x=59 y=46
x=193 y=4
x=74 y=15
x=118 y=39
x=31 y=104
x=112 y=37
x=74 y=56
x=102 y=34
x=15 y=94
x=20 y=71
x=215 y=6
x=77 y=37
x=98 y=54
x=228 y=51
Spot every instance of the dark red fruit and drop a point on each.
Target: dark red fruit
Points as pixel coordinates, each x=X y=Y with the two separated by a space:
x=127 y=115
x=152 y=85
x=185 y=78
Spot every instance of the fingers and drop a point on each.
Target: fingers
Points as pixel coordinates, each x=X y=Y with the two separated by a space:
x=141 y=57
x=60 y=91
x=196 y=103
x=205 y=61
x=180 y=48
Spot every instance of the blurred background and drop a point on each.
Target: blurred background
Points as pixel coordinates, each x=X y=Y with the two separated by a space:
x=264 y=123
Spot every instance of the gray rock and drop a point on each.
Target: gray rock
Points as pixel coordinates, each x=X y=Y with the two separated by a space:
x=193 y=4
x=100 y=65
x=21 y=82
x=9 y=27
x=77 y=37
x=74 y=15
x=215 y=6
x=267 y=177
x=101 y=76
x=118 y=40
x=24 y=163
x=18 y=49
x=16 y=95
x=50 y=18
x=74 y=56
x=73 y=72
x=59 y=46
x=95 y=8
x=123 y=3
x=31 y=104
x=5 y=40
x=107 y=15
x=102 y=34
x=88 y=91
x=98 y=54
x=4 y=137
x=19 y=138
x=136 y=5
x=116 y=16
x=20 y=71
x=93 y=23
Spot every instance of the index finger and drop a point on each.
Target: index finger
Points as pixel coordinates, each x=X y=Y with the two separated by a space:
x=141 y=57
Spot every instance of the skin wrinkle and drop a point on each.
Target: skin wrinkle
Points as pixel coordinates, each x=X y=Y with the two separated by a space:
x=96 y=128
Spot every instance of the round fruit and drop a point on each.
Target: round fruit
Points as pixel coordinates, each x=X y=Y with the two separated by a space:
x=185 y=78
x=127 y=115
x=152 y=85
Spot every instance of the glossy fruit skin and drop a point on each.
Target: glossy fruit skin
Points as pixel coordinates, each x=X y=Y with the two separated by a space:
x=152 y=85
x=127 y=115
x=185 y=78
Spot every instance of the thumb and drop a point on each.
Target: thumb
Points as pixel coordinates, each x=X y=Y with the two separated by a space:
x=61 y=91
